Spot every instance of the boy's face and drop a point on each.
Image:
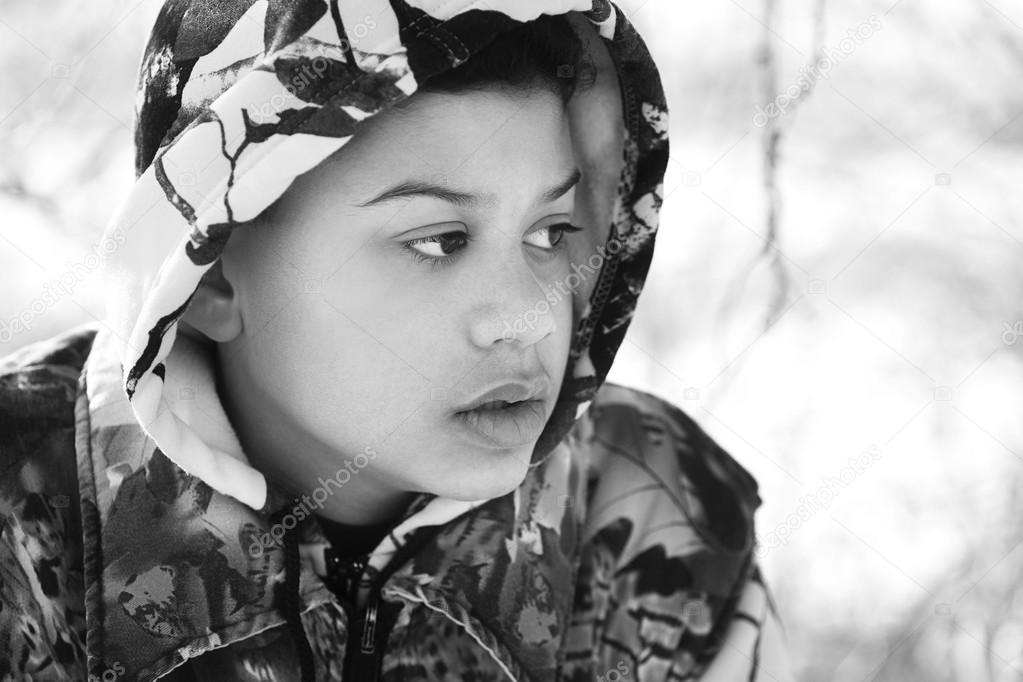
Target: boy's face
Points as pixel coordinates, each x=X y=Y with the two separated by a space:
x=356 y=340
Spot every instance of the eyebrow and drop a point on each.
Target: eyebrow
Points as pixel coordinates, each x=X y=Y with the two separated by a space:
x=414 y=188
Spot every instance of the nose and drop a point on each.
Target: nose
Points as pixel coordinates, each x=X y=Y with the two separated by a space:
x=512 y=306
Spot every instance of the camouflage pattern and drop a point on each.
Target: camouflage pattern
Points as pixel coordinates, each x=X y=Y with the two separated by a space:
x=628 y=554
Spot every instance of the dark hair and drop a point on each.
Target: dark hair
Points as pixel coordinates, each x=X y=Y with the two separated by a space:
x=546 y=51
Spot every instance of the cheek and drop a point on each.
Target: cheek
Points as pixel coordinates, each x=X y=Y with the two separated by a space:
x=338 y=379
x=410 y=320
x=374 y=363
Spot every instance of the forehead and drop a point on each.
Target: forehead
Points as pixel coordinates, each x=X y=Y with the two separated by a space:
x=489 y=142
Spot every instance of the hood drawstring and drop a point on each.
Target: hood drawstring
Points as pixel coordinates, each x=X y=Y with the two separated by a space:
x=291 y=598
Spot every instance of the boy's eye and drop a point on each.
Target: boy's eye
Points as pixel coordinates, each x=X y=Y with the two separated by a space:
x=439 y=246
x=553 y=234
x=440 y=249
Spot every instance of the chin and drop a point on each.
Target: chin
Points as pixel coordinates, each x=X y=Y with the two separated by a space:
x=479 y=480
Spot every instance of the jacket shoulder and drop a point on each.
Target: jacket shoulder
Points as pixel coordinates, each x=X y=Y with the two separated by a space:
x=42 y=612
x=38 y=385
x=656 y=437
x=638 y=419
x=668 y=540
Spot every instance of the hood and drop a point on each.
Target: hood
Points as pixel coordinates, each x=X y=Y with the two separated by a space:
x=210 y=155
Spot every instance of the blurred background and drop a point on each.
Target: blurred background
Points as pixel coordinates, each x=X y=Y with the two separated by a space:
x=836 y=297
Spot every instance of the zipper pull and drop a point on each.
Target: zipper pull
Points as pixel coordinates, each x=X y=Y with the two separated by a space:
x=354 y=578
x=369 y=625
x=343 y=575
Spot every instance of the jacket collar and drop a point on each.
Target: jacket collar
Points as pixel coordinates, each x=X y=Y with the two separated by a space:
x=174 y=573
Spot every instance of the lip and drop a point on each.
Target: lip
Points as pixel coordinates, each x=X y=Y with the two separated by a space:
x=518 y=390
x=511 y=426
x=508 y=427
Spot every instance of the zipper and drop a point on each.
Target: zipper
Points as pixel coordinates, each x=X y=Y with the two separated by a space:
x=369 y=626
x=364 y=654
x=362 y=663
x=344 y=577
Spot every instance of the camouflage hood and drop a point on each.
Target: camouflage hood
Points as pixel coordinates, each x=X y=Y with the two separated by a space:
x=237 y=99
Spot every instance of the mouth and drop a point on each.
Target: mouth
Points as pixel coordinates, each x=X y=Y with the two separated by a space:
x=504 y=424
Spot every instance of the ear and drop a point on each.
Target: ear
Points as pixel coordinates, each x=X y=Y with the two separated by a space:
x=214 y=310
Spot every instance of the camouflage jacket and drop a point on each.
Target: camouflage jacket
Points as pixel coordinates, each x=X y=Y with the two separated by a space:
x=627 y=556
